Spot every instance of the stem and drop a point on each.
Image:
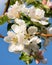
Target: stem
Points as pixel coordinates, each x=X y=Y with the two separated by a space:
x=6 y=8
x=44 y=35
x=7 y=5
x=1 y=36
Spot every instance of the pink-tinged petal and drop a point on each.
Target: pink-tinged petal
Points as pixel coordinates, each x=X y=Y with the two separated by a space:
x=37 y=61
x=44 y=2
x=49 y=4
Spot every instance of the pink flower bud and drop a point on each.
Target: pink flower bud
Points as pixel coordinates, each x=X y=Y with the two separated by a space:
x=44 y=2
x=49 y=4
x=37 y=61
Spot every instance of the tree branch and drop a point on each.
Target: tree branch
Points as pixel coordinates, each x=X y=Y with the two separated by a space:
x=7 y=5
x=6 y=8
x=1 y=36
x=44 y=35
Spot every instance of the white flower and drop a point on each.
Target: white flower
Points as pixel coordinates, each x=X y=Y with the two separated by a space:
x=32 y=45
x=16 y=41
x=20 y=28
x=13 y=11
x=36 y=13
x=39 y=13
x=32 y=30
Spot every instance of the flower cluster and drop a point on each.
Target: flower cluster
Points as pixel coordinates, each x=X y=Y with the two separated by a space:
x=27 y=21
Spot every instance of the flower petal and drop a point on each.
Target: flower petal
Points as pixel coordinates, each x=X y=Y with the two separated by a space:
x=32 y=30
x=17 y=48
x=15 y=28
x=7 y=39
x=20 y=21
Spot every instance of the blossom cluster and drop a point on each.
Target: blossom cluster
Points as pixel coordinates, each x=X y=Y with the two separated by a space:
x=23 y=38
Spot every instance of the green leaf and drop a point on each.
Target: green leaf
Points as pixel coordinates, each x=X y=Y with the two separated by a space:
x=3 y=19
x=26 y=58
x=36 y=3
x=13 y=1
x=25 y=17
x=37 y=24
x=9 y=26
x=49 y=13
x=30 y=1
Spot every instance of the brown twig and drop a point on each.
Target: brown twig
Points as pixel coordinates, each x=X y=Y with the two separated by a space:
x=1 y=36
x=44 y=35
x=6 y=8
x=7 y=5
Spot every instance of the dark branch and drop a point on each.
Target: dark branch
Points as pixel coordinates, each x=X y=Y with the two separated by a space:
x=7 y=5
x=1 y=36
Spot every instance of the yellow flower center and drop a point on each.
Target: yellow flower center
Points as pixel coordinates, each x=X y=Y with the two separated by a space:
x=27 y=36
x=15 y=40
x=37 y=17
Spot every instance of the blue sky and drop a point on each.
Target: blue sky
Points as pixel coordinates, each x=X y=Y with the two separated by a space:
x=7 y=58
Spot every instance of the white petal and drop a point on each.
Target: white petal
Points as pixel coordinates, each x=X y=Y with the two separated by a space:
x=24 y=9
x=18 y=29
x=32 y=30
x=20 y=38
x=10 y=33
x=50 y=30
x=35 y=39
x=12 y=48
x=20 y=21
x=13 y=11
x=15 y=28
x=31 y=12
x=34 y=20
x=43 y=22
x=20 y=47
x=10 y=36
x=7 y=39
x=39 y=13
x=17 y=48
x=26 y=42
